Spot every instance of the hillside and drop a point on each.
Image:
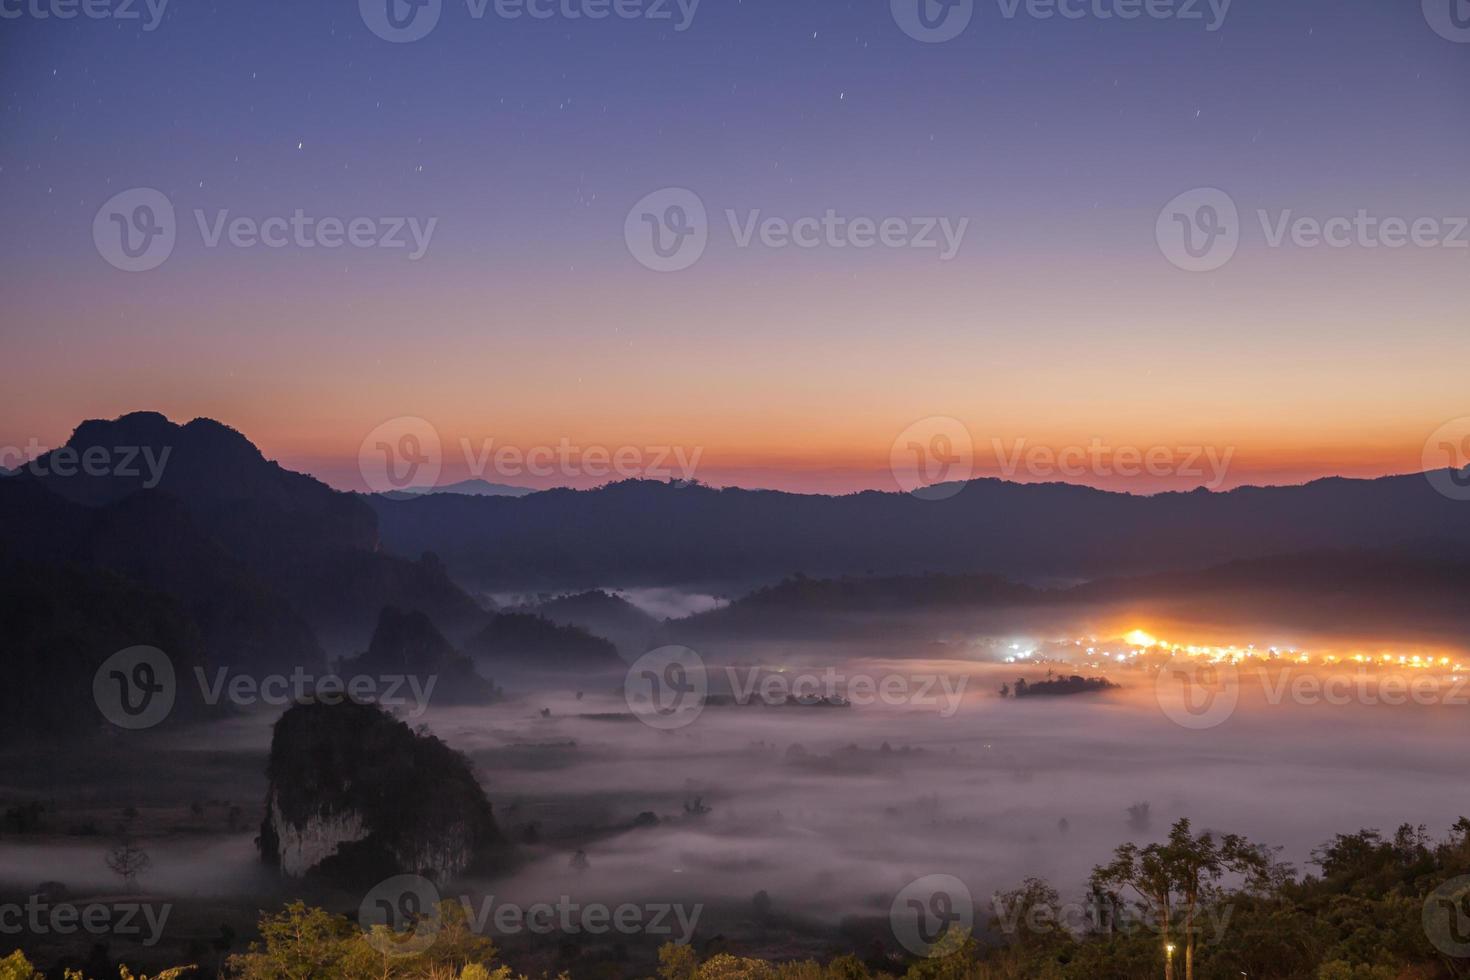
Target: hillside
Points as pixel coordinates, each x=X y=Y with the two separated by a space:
x=646 y=532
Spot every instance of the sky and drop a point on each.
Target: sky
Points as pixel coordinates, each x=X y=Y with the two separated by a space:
x=523 y=163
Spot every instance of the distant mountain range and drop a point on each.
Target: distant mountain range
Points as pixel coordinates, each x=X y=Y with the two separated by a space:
x=140 y=531
x=642 y=532
x=187 y=538
x=631 y=629
x=469 y=488
x=1408 y=594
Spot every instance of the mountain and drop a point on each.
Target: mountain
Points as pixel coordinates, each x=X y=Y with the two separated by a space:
x=631 y=630
x=525 y=640
x=151 y=539
x=471 y=488
x=408 y=644
x=256 y=508
x=196 y=509
x=1408 y=593
x=60 y=623
x=803 y=606
x=643 y=532
x=356 y=796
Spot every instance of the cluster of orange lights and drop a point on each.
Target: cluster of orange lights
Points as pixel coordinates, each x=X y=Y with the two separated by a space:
x=1140 y=642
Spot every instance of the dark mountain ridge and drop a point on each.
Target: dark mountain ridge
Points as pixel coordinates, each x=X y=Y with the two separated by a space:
x=197 y=510
x=643 y=532
x=1411 y=592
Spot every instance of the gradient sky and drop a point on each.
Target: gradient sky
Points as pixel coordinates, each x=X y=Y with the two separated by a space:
x=528 y=320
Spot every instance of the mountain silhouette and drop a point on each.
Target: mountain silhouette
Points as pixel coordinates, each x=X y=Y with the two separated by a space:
x=471 y=488
x=631 y=629
x=644 y=532
x=233 y=513
x=408 y=644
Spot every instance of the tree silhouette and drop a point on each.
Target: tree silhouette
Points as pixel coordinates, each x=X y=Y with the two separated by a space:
x=127 y=860
x=1175 y=879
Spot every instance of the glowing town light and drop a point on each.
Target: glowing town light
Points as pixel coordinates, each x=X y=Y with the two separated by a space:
x=1138 y=638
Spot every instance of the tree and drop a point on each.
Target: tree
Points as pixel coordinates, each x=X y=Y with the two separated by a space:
x=727 y=966
x=1176 y=879
x=298 y=942
x=676 y=962
x=17 y=967
x=128 y=860
x=1030 y=917
x=301 y=943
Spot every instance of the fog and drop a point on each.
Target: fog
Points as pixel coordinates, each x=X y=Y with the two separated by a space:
x=805 y=803
x=839 y=832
